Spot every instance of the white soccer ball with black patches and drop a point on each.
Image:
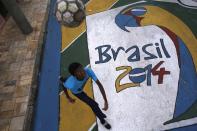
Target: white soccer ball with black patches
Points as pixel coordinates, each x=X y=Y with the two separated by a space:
x=70 y=12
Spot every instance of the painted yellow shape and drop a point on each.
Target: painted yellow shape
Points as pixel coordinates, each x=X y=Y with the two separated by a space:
x=93 y=6
x=158 y=16
x=77 y=116
x=120 y=87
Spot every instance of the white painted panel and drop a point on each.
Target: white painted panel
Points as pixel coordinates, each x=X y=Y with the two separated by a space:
x=137 y=108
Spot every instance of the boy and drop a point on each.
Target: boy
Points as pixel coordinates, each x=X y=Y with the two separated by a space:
x=76 y=82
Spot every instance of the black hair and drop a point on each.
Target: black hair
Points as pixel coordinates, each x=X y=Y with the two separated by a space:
x=73 y=67
x=62 y=79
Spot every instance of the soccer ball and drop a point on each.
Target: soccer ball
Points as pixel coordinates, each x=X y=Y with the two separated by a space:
x=70 y=12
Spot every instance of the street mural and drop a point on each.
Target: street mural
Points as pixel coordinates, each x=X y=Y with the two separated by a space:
x=145 y=55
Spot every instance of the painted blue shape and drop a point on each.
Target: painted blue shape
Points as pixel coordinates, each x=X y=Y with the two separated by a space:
x=47 y=105
x=138 y=11
x=187 y=87
x=186 y=128
x=125 y=20
x=137 y=79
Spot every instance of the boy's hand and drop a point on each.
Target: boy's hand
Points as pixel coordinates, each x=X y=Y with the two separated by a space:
x=105 y=106
x=71 y=100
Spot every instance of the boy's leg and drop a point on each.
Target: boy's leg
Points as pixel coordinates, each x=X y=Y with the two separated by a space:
x=94 y=106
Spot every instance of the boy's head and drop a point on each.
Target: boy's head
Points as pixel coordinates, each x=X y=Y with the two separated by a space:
x=76 y=69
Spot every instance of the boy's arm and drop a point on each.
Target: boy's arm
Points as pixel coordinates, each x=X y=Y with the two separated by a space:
x=62 y=79
x=67 y=96
x=103 y=94
x=93 y=76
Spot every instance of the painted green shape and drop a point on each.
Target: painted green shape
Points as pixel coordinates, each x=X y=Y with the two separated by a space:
x=77 y=52
x=123 y=2
x=85 y=1
x=190 y=113
x=95 y=128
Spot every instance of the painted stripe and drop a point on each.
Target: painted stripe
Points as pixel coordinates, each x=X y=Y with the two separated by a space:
x=178 y=2
x=172 y=1
x=187 y=6
x=69 y=44
x=177 y=124
x=47 y=112
x=92 y=127
x=69 y=35
x=141 y=10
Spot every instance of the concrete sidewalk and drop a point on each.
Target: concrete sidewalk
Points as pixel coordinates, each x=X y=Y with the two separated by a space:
x=19 y=64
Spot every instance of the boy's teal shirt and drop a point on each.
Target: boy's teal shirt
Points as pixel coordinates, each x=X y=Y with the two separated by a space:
x=76 y=86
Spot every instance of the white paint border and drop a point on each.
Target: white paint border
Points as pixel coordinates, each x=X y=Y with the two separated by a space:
x=92 y=126
x=175 y=1
x=180 y=124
